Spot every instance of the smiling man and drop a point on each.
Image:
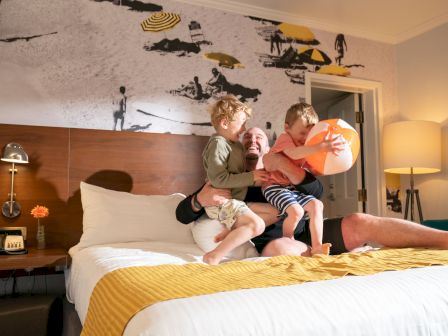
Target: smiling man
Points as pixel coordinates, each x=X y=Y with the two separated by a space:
x=345 y=234
x=255 y=145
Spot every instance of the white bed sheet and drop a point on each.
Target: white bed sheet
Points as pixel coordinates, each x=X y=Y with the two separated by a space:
x=411 y=302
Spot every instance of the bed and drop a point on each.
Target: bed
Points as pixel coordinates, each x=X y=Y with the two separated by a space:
x=113 y=228
x=405 y=302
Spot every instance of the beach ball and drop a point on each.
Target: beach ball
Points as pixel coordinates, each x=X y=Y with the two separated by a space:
x=328 y=163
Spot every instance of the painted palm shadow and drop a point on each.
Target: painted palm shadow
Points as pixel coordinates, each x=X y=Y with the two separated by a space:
x=208 y=124
x=26 y=38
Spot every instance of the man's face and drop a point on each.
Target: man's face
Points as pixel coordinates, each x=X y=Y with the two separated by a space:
x=255 y=143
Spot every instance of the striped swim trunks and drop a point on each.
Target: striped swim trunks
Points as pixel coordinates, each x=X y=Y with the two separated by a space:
x=282 y=197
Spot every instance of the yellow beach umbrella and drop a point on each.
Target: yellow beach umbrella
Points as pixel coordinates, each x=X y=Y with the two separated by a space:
x=334 y=69
x=160 y=21
x=298 y=33
x=313 y=56
x=224 y=60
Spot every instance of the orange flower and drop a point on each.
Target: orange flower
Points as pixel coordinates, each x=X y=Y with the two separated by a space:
x=39 y=211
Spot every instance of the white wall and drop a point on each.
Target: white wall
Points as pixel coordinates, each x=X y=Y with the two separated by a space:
x=422 y=80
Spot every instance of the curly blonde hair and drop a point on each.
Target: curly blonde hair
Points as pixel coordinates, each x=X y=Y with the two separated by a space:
x=301 y=110
x=226 y=108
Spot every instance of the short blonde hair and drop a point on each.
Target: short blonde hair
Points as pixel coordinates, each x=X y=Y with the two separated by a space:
x=226 y=108
x=303 y=111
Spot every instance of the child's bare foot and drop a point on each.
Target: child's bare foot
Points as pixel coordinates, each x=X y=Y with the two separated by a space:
x=211 y=258
x=321 y=249
x=220 y=236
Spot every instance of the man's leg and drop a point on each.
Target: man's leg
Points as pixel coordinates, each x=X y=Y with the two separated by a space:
x=358 y=229
x=267 y=212
x=286 y=246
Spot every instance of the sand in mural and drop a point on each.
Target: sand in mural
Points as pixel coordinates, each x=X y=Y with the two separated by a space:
x=153 y=66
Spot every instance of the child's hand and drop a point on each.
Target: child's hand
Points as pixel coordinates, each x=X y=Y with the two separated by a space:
x=260 y=175
x=334 y=145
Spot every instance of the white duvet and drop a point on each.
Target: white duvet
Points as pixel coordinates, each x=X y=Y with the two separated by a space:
x=411 y=302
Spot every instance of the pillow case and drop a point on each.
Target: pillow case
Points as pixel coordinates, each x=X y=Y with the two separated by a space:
x=204 y=231
x=116 y=217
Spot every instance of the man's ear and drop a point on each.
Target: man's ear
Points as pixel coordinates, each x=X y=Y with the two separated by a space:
x=286 y=126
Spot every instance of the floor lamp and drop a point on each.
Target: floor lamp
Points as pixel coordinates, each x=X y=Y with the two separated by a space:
x=412 y=147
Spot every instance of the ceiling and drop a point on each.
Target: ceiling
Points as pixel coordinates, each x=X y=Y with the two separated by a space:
x=390 y=21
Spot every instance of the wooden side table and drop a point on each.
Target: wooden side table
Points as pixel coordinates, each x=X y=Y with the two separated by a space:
x=51 y=257
x=35 y=314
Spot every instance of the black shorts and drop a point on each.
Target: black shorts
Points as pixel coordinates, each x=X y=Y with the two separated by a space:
x=332 y=233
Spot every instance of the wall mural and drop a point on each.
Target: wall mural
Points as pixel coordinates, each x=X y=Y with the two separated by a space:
x=154 y=66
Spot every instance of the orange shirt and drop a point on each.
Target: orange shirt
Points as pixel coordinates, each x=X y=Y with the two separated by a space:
x=284 y=141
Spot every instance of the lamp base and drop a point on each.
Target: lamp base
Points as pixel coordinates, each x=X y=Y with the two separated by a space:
x=11 y=212
x=410 y=194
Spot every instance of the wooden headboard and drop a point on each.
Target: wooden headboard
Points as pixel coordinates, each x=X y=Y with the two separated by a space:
x=141 y=163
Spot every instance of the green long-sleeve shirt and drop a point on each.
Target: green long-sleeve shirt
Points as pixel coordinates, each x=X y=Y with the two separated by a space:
x=224 y=163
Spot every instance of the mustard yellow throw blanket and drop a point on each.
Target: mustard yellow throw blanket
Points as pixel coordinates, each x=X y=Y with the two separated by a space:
x=120 y=294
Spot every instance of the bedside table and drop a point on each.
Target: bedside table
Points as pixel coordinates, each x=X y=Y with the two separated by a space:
x=50 y=257
x=32 y=314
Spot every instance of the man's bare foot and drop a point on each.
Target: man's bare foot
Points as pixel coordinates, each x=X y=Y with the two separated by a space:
x=211 y=258
x=220 y=236
x=321 y=249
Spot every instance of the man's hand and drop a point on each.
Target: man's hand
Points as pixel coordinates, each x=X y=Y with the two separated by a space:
x=260 y=175
x=277 y=161
x=209 y=196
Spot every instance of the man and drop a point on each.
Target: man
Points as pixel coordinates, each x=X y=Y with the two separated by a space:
x=120 y=113
x=218 y=83
x=345 y=234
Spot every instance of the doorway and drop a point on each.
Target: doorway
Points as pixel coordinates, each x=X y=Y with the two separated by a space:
x=358 y=102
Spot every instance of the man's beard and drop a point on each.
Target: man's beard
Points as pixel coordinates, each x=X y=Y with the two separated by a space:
x=252 y=156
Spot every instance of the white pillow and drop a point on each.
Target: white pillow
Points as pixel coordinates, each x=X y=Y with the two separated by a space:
x=204 y=231
x=115 y=217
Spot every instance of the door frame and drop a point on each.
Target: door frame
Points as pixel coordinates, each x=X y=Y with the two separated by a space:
x=373 y=121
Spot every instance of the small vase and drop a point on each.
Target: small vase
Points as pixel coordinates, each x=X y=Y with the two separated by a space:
x=40 y=236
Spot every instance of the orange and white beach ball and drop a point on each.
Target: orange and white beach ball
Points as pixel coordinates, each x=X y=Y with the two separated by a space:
x=328 y=163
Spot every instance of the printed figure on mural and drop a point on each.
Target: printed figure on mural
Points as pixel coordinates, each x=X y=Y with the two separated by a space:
x=216 y=87
x=339 y=45
x=192 y=90
x=276 y=41
x=120 y=110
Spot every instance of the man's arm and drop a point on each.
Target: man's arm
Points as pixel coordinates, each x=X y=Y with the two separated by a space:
x=279 y=162
x=304 y=181
x=185 y=212
x=192 y=207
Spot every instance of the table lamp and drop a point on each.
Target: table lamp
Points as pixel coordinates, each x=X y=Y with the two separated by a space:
x=412 y=147
x=13 y=153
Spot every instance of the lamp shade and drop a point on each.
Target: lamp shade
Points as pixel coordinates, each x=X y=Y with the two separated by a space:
x=412 y=144
x=13 y=152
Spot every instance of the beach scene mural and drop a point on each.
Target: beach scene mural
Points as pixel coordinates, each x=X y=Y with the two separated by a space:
x=155 y=66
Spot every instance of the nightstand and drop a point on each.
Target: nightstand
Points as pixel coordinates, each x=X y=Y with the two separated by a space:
x=51 y=257
x=32 y=314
